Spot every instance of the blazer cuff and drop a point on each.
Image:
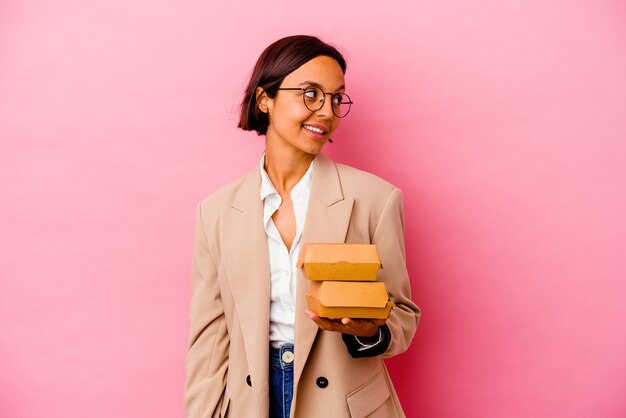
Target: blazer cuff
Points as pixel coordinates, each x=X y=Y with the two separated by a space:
x=358 y=349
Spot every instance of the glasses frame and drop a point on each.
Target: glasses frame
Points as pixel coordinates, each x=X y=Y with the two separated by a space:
x=304 y=89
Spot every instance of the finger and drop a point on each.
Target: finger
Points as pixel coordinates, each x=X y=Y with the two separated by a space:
x=324 y=323
x=362 y=322
x=362 y=327
x=359 y=327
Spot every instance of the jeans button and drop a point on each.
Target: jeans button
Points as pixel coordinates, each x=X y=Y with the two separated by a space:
x=288 y=357
x=321 y=382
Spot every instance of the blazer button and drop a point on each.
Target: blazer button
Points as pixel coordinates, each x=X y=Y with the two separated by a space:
x=248 y=380
x=321 y=382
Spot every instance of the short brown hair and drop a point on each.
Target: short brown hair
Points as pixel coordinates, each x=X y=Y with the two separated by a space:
x=275 y=63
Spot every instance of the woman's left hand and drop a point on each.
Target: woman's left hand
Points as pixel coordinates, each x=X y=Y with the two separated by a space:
x=356 y=327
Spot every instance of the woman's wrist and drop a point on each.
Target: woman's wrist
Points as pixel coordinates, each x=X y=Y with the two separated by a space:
x=372 y=339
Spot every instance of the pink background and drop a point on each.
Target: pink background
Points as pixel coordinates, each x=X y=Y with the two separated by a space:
x=504 y=122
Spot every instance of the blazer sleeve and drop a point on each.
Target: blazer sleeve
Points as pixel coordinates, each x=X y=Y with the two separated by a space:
x=400 y=327
x=207 y=354
x=389 y=240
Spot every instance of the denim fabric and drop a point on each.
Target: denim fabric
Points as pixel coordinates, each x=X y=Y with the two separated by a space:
x=281 y=382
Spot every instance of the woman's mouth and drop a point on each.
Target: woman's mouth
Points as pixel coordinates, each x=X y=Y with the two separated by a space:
x=316 y=133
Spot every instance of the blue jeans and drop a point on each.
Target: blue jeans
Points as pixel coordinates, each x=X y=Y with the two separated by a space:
x=281 y=380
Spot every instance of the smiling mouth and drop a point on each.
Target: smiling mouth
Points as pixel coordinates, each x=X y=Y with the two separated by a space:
x=314 y=129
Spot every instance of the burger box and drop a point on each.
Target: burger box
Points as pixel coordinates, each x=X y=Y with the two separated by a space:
x=336 y=299
x=344 y=262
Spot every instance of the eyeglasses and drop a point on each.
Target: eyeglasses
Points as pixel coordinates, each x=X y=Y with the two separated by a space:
x=314 y=98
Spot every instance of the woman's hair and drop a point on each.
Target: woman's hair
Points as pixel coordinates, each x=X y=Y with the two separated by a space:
x=275 y=63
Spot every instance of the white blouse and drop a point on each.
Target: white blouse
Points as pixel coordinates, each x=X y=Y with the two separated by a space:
x=283 y=270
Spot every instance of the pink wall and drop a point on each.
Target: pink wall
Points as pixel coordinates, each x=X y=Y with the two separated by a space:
x=503 y=122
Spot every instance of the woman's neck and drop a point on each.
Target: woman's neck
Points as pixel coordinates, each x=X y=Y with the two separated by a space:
x=285 y=167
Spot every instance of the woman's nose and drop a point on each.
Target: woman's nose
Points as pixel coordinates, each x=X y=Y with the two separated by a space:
x=327 y=108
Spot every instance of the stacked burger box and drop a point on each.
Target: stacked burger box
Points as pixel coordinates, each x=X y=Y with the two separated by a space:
x=343 y=281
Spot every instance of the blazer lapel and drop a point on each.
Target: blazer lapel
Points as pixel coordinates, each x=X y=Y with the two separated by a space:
x=248 y=273
x=327 y=220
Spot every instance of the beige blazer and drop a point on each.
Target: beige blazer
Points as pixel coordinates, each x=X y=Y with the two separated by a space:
x=228 y=351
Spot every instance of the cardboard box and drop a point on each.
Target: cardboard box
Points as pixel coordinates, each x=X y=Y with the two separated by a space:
x=344 y=262
x=334 y=299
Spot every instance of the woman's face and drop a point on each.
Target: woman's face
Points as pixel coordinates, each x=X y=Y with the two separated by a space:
x=288 y=115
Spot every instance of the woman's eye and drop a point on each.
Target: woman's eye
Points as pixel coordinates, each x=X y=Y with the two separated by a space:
x=310 y=94
x=337 y=99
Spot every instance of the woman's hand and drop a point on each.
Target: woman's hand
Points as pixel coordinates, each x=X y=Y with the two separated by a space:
x=356 y=327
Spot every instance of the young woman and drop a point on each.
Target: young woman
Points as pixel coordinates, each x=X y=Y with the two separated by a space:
x=254 y=348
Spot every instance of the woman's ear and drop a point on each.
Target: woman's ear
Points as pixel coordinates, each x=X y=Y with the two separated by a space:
x=261 y=99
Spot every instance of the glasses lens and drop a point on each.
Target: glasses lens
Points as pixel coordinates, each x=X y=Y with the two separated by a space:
x=341 y=104
x=313 y=98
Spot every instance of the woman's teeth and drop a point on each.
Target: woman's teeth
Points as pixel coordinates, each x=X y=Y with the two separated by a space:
x=311 y=128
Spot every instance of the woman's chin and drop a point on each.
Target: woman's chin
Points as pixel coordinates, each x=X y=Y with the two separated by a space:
x=314 y=150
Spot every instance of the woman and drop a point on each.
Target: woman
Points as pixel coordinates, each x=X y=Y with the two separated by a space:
x=254 y=348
